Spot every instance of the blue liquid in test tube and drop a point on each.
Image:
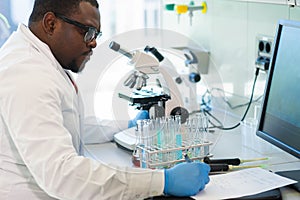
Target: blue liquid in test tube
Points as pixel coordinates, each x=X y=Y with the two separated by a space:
x=178 y=136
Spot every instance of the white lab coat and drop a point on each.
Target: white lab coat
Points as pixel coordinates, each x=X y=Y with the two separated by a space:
x=40 y=127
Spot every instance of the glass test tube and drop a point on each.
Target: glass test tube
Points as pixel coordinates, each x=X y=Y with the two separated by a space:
x=196 y=135
x=151 y=139
x=165 y=135
x=178 y=136
x=172 y=137
x=159 y=134
x=187 y=132
x=205 y=135
x=141 y=143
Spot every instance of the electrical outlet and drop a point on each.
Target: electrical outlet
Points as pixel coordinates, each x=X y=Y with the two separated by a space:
x=263 y=51
x=291 y=2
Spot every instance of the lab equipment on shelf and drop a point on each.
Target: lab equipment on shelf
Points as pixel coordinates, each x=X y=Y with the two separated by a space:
x=164 y=142
x=184 y=8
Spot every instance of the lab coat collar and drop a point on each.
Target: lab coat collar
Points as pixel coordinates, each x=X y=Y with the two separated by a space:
x=43 y=48
x=40 y=46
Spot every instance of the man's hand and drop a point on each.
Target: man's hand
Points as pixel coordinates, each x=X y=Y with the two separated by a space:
x=143 y=114
x=186 y=179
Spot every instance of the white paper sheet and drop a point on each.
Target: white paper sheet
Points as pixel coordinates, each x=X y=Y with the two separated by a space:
x=241 y=183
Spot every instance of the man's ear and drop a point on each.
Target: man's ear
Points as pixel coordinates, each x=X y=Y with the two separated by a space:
x=49 y=23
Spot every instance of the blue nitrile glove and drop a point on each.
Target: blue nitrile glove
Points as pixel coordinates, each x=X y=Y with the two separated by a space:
x=186 y=179
x=143 y=114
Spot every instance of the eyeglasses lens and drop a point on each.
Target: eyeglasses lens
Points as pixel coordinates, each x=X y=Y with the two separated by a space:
x=91 y=34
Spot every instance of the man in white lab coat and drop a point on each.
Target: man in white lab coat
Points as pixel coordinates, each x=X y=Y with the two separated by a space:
x=41 y=120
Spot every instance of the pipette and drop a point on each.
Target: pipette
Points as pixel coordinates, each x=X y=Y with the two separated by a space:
x=226 y=167
x=230 y=161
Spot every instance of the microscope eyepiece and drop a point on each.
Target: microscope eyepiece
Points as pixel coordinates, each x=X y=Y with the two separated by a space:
x=114 y=46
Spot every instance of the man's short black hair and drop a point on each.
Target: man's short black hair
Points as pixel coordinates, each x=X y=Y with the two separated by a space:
x=66 y=7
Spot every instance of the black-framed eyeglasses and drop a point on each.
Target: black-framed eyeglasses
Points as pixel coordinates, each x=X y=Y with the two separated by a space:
x=90 y=31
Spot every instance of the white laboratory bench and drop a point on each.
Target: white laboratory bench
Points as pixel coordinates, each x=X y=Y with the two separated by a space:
x=238 y=143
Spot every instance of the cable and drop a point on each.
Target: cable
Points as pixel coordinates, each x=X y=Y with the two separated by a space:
x=241 y=105
x=212 y=116
x=206 y=103
x=220 y=126
x=249 y=104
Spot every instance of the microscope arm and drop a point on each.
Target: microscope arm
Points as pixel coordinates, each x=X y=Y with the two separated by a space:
x=147 y=64
x=170 y=87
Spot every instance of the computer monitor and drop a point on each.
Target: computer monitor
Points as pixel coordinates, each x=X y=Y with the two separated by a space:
x=279 y=121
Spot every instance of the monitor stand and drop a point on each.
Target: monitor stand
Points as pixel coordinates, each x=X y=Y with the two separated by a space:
x=293 y=174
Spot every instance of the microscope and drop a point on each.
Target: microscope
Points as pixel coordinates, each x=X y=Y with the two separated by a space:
x=164 y=102
x=169 y=94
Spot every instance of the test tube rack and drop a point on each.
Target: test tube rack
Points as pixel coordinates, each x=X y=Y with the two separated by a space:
x=173 y=143
x=155 y=158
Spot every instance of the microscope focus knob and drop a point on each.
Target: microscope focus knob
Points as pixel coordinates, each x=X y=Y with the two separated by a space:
x=194 y=77
x=178 y=80
x=184 y=113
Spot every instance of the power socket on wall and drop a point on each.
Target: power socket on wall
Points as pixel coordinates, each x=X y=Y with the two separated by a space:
x=292 y=2
x=263 y=50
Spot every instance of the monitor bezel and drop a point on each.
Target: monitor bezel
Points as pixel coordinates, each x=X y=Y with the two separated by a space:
x=264 y=135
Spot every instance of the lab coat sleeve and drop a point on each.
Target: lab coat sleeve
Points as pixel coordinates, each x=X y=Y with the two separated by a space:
x=101 y=131
x=33 y=116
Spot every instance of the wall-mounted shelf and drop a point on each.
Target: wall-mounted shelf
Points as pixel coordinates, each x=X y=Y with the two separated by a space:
x=282 y=2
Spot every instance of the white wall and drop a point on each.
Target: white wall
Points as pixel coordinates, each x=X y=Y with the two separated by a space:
x=229 y=30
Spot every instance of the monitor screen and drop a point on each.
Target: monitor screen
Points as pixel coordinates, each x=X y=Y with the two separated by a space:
x=279 y=122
